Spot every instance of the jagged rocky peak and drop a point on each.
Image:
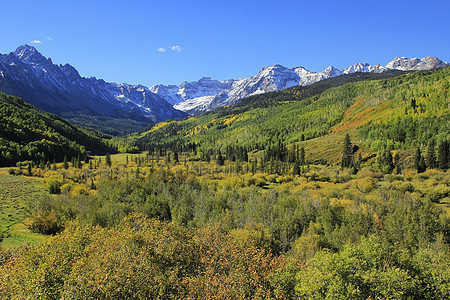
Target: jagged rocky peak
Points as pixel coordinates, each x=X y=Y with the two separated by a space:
x=70 y=72
x=332 y=71
x=273 y=69
x=364 y=67
x=402 y=63
x=30 y=54
x=432 y=62
x=207 y=82
x=413 y=64
x=276 y=67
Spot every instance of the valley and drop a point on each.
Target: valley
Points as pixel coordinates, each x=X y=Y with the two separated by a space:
x=336 y=189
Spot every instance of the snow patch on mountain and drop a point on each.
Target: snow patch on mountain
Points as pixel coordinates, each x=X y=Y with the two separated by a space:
x=413 y=64
x=199 y=102
x=191 y=90
x=64 y=85
x=278 y=77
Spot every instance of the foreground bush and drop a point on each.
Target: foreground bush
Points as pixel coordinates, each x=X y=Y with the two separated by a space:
x=142 y=259
x=371 y=270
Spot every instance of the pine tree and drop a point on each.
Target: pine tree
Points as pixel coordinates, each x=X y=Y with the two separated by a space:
x=386 y=162
x=220 y=160
x=443 y=155
x=137 y=173
x=422 y=165
x=419 y=161
x=413 y=103
x=431 y=155
x=175 y=157
x=296 y=169
x=301 y=156
x=347 y=155
x=397 y=167
x=65 y=163
x=108 y=159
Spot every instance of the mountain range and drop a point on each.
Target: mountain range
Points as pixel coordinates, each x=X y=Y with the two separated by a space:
x=113 y=107
x=208 y=94
x=61 y=90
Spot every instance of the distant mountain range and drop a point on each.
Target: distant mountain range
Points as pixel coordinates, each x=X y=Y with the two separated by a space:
x=89 y=101
x=208 y=94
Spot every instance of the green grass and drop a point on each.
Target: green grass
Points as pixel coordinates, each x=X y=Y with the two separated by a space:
x=17 y=195
x=120 y=157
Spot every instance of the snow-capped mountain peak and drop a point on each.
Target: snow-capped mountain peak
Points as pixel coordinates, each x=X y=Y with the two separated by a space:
x=30 y=54
x=332 y=72
x=277 y=77
x=60 y=89
x=192 y=97
x=206 y=86
x=413 y=64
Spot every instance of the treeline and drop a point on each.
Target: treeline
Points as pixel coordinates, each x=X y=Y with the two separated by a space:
x=299 y=93
x=29 y=134
x=394 y=113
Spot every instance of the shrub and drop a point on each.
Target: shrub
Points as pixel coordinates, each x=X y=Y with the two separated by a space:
x=144 y=259
x=404 y=186
x=366 y=184
x=54 y=186
x=47 y=222
x=370 y=270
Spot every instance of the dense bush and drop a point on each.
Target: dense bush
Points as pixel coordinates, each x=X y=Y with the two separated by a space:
x=370 y=270
x=143 y=259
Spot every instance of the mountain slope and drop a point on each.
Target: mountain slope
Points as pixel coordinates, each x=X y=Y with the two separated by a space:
x=28 y=133
x=276 y=78
x=61 y=90
x=365 y=109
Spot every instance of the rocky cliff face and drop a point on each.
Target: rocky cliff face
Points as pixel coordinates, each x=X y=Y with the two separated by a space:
x=60 y=89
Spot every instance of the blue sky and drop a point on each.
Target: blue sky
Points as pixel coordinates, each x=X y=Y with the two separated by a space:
x=152 y=42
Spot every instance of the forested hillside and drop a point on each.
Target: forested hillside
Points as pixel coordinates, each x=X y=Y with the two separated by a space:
x=27 y=133
x=396 y=113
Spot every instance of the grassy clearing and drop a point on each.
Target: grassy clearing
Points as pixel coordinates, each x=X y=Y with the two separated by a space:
x=17 y=194
x=120 y=157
